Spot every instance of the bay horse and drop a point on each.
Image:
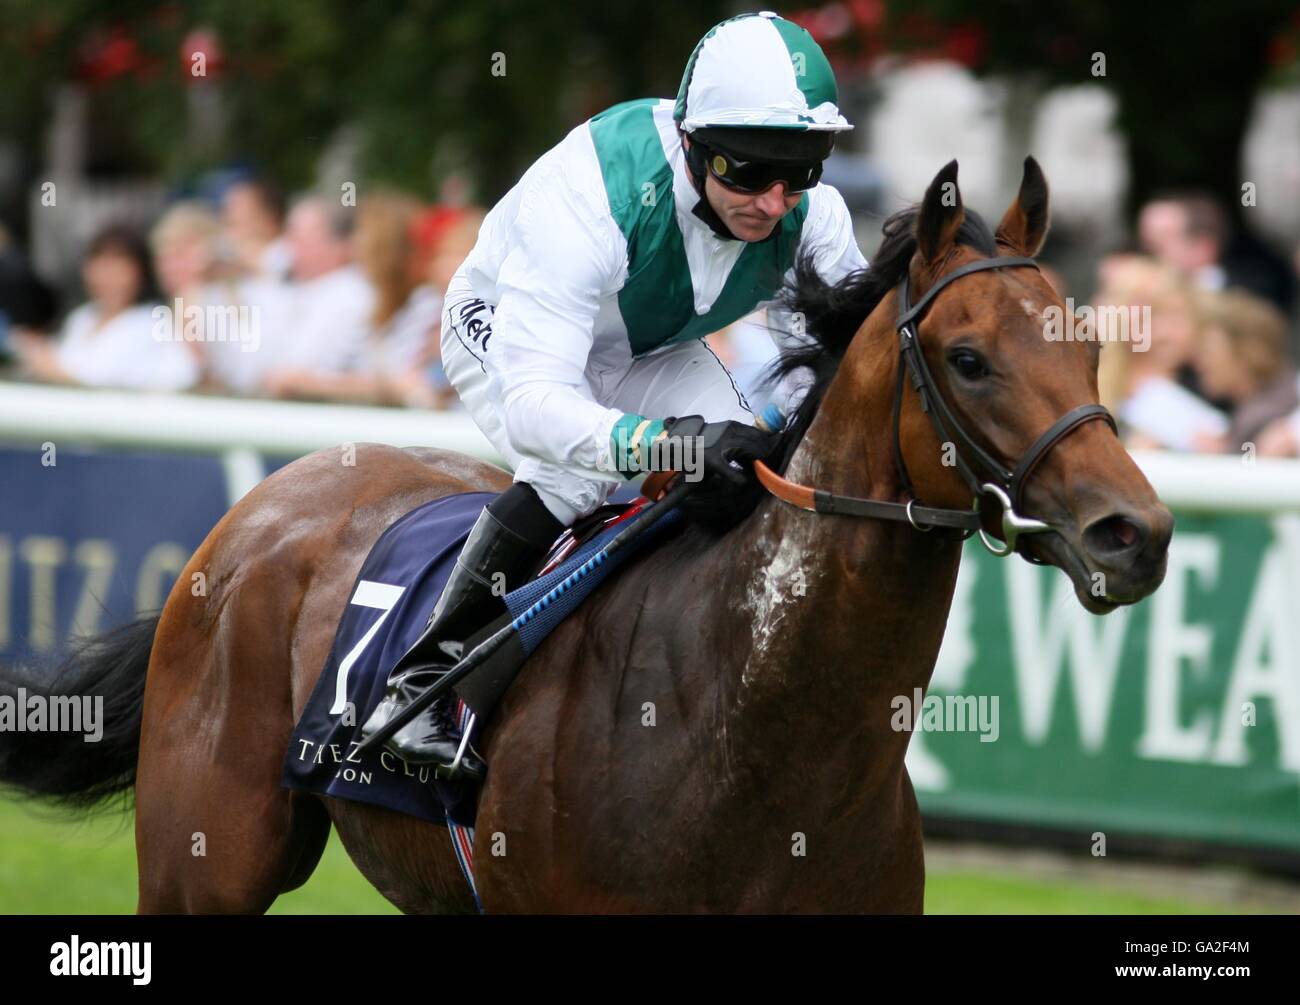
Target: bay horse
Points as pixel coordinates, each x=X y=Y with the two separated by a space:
x=711 y=730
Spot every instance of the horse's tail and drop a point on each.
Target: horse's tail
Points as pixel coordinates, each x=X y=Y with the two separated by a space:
x=100 y=688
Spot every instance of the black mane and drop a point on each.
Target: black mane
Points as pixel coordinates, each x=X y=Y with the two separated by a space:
x=833 y=313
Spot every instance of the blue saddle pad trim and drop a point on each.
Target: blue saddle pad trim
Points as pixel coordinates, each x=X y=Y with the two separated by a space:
x=389 y=604
x=555 y=610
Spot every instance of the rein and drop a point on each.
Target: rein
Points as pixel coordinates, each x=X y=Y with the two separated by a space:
x=1004 y=485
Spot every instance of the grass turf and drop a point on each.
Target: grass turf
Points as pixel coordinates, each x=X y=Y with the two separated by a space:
x=50 y=864
x=53 y=864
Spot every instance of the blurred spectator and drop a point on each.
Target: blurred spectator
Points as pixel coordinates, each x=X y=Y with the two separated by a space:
x=1186 y=232
x=1115 y=260
x=184 y=246
x=1281 y=437
x=389 y=365
x=111 y=341
x=252 y=213
x=1242 y=356
x=405 y=316
x=219 y=310
x=1191 y=232
x=1138 y=377
x=331 y=302
x=444 y=237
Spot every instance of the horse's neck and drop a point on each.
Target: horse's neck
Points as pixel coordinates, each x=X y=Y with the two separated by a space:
x=845 y=612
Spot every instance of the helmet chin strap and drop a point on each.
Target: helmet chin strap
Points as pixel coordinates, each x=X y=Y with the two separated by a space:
x=704 y=209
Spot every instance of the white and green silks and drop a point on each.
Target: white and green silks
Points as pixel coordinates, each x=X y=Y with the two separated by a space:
x=759 y=70
x=595 y=260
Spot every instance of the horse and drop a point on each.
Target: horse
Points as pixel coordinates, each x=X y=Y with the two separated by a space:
x=713 y=730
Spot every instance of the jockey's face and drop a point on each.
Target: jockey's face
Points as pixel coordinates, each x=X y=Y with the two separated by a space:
x=750 y=216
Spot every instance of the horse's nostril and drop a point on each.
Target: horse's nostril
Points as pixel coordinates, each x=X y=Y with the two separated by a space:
x=1115 y=535
x=1125 y=532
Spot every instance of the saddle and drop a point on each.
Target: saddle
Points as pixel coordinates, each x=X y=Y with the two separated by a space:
x=604 y=517
x=397 y=585
x=583 y=531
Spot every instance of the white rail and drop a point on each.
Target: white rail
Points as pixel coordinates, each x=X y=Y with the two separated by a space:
x=191 y=422
x=242 y=429
x=1222 y=483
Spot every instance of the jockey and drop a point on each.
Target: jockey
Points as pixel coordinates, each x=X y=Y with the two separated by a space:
x=572 y=332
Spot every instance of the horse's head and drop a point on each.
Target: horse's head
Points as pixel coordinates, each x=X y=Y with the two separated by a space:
x=997 y=348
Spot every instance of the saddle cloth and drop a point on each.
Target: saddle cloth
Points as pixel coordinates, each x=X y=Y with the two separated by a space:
x=398 y=585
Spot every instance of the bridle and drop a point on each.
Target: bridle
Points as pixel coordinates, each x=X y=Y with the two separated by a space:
x=983 y=473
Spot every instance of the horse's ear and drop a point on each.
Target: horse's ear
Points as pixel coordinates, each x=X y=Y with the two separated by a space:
x=941 y=215
x=1025 y=225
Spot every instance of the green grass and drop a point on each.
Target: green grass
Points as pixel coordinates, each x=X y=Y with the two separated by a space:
x=51 y=865
x=968 y=892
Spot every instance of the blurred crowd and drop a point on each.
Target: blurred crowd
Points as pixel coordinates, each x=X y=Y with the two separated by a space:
x=1208 y=361
x=320 y=301
x=313 y=300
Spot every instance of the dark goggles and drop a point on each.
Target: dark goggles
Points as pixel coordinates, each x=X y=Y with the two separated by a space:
x=759 y=176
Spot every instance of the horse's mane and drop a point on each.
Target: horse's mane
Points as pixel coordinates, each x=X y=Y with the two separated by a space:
x=832 y=313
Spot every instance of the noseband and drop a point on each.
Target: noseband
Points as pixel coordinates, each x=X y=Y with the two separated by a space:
x=983 y=473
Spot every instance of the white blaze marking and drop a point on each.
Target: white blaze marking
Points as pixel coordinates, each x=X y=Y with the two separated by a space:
x=773 y=582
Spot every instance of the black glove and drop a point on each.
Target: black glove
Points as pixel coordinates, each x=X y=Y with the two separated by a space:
x=717 y=459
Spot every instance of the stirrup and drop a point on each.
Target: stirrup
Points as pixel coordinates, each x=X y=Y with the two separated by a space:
x=464 y=744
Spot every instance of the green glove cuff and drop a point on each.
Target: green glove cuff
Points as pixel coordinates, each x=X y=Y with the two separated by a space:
x=629 y=443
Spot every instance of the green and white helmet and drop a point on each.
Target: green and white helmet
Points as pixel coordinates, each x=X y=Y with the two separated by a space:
x=759 y=71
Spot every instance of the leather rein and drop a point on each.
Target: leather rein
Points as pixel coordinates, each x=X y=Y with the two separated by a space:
x=1004 y=485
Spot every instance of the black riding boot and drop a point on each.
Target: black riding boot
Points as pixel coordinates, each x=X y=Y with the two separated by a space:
x=468 y=602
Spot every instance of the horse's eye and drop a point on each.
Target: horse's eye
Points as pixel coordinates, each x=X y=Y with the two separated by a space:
x=968 y=364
